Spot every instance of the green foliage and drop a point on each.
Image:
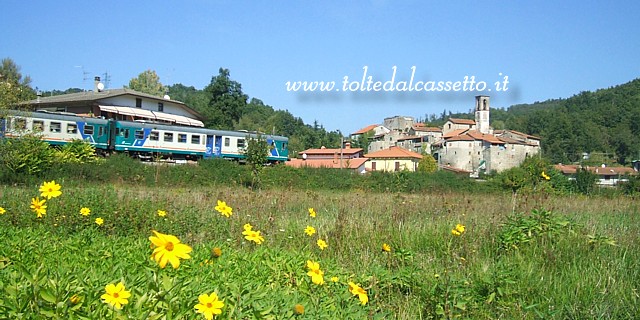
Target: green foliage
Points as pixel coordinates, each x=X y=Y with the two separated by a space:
x=25 y=156
x=632 y=185
x=256 y=156
x=227 y=101
x=585 y=181
x=427 y=164
x=14 y=88
x=540 y=224
x=76 y=151
x=514 y=178
x=148 y=82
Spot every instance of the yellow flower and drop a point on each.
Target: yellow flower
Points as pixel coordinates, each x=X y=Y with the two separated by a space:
x=209 y=305
x=322 y=244
x=253 y=236
x=317 y=275
x=545 y=176
x=99 y=221
x=309 y=230
x=116 y=295
x=168 y=249
x=459 y=230
x=224 y=209
x=75 y=299
x=298 y=309
x=162 y=213
x=216 y=252
x=356 y=290
x=335 y=279
x=386 y=247
x=312 y=212
x=50 y=190
x=85 y=211
x=38 y=206
x=247 y=227
x=2 y=210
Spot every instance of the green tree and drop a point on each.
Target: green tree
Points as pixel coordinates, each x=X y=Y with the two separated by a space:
x=227 y=101
x=427 y=164
x=585 y=181
x=256 y=156
x=14 y=88
x=148 y=82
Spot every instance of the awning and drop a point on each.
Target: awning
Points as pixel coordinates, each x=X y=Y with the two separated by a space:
x=153 y=115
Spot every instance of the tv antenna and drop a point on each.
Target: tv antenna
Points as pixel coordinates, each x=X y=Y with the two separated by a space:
x=106 y=79
x=84 y=75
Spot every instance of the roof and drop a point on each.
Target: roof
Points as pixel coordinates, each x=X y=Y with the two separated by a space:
x=602 y=171
x=153 y=115
x=327 y=163
x=366 y=129
x=421 y=127
x=462 y=121
x=92 y=96
x=394 y=152
x=328 y=151
x=454 y=170
x=453 y=133
x=522 y=134
x=477 y=135
x=409 y=138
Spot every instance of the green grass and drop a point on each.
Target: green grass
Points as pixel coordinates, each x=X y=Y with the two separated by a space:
x=430 y=274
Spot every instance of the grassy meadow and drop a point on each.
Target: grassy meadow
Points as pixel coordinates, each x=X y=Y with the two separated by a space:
x=562 y=257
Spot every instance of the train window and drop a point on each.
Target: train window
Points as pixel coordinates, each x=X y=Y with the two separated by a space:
x=54 y=127
x=240 y=143
x=126 y=133
x=100 y=131
x=88 y=129
x=72 y=128
x=139 y=134
x=20 y=124
x=168 y=137
x=195 y=139
x=154 y=136
x=182 y=138
x=227 y=142
x=38 y=125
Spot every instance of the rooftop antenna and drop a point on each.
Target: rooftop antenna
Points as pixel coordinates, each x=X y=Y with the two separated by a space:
x=106 y=79
x=84 y=75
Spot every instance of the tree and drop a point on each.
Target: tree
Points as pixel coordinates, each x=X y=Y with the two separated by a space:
x=427 y=164
x=148 y=82
x=13 y=87
x=227 y=102
x=256 y=156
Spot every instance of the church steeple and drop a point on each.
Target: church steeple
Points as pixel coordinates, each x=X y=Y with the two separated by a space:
x=482 y=114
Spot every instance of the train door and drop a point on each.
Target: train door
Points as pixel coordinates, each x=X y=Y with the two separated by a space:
x=217 y=150
x=209 y=145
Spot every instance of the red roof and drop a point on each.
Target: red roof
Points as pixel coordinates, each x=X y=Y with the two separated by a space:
x=327 y=163
x=606 y=171
x=477 y=135
x=327 y=151
x=366 y=129
x=422 y=128
x=462 y=121
x=394 y=152
x=454 y=133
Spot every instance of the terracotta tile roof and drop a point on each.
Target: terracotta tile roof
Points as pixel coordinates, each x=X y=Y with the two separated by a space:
x=366 y=129
x=462 y=137
x=394 y=152
x=454 y=133
x=455 y=170
x=523 y=134
x=606 y=171
x=327 y=151
x=477 y=135
x=462 y=121
x=426 y=129
x=410 y=138
x=327 y=163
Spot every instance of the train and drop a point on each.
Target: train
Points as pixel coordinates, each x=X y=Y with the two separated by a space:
x=143 y=139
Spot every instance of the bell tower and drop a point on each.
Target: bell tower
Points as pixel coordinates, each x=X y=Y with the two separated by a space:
x=482 y=114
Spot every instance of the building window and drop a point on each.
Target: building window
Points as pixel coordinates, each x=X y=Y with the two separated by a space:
x=240 y=143
x=138 y=103
x=160 y=106
x=54 y=127
x=182 y=138
x=72 y=128
x=373 y=165
x=168 y=137
x=227 y=142
x=195 y=139
x=139 y=134
x=154 y=136
x=397 y=165
x=38 y=126
x=88 y=129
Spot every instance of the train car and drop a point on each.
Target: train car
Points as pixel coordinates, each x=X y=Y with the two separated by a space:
x=142 y=139
x=57 y=128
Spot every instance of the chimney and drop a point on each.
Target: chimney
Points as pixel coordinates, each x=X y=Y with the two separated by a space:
x=96 y=82
x=38 y=95
x=347 y=145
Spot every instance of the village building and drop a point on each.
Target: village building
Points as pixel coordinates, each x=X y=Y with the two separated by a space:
x=120 y=104
x=393 y=159
x=345 y=158
x=607 y=176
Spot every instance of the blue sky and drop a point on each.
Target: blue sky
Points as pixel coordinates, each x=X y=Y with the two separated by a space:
x=548 y=49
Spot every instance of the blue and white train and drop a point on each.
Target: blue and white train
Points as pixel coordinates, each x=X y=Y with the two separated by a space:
x=138 y=138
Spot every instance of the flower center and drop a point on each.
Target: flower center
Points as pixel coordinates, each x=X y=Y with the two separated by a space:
x=169 y=246
x=116 y=295
x=209 y=305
